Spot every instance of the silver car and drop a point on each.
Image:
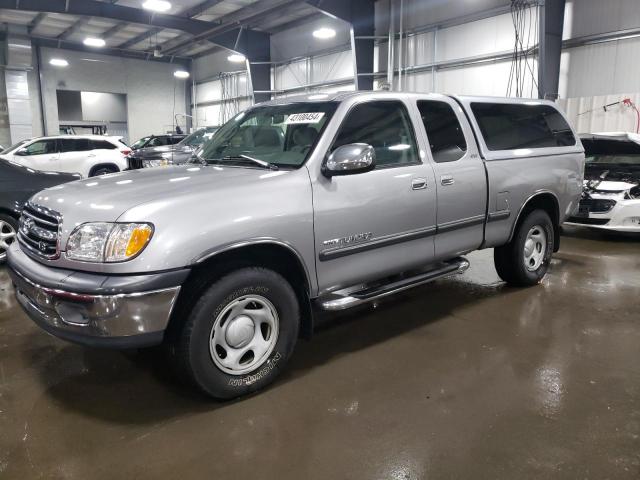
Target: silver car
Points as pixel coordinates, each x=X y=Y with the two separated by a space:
x=297 y=205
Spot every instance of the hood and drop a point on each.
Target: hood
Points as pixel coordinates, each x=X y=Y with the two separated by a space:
x=107 y=197
x=607 y=186
x=151 y=152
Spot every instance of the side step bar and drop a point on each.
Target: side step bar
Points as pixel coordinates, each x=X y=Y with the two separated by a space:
x=354 y=296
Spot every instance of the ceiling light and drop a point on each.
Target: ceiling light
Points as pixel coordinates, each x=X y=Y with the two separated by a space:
x=324 y=33
x=59 y=62
x=181 y=74
x=94 y=42
x=236 y=58
x=156 y=5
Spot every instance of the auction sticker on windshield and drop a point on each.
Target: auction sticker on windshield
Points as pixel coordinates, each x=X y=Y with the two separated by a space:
x=311 y=117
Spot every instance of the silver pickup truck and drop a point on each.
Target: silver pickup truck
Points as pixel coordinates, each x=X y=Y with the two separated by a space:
x=321 y=202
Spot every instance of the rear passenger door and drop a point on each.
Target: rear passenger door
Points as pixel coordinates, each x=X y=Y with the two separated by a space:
x=73 y=154
x=460 y=177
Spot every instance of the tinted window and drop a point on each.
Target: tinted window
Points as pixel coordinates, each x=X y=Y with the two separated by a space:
x=510 y=126
x=155 y=142
x=73 y=145
x=199 y=137
x=173 y=140
x=386 y=127
x=102 y=145
x=444 y=132
x=140 y=143
x=41 y=147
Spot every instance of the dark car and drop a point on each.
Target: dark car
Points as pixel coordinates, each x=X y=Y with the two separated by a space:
x=170 y=154
x=158 y=141
x=17 y=185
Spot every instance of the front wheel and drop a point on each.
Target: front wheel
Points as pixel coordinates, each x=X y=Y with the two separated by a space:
x=240 y=333
x=525 y=260
x=8 y=231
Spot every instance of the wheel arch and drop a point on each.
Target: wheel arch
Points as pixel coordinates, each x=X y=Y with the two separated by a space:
x=541 y=200
x=93 y=169
x=268 y=253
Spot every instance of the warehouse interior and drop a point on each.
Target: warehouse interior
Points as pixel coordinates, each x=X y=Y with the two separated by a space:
x=463 y=376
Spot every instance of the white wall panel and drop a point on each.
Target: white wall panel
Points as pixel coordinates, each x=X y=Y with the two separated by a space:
x=586 y=114
x=291 y=75
x=600 y=69
x=588 y=17
x=329 y=67
x=418 y=49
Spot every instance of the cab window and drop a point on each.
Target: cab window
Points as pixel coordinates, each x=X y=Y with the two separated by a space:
x=444 y=131
x=386 y=126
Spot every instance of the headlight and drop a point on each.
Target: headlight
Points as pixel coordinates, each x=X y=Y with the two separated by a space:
x=160 y=162
x=108 y=242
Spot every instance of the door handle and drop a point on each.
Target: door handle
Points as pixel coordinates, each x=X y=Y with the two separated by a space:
x=91 y=155
x=418 y=184
x=447 y=180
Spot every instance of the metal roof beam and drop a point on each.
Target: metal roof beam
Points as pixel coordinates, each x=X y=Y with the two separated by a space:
x=73 y=28
x=117 y=28
x=140 y=38
x=94 y=8
x=200 y=8
x=232 y=21
x=37 y=20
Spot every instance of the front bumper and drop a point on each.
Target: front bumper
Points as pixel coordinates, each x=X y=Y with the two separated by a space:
x=623 y=217
x=95 y=310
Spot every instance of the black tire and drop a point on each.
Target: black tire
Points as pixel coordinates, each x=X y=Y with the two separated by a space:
x=509 y=259
x=103 y=171
x=191 y=346
x=8 y=225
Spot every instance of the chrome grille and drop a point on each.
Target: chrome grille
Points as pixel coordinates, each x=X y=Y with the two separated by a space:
x=39 y=231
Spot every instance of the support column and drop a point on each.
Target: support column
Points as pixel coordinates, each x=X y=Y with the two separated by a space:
x=550 y=48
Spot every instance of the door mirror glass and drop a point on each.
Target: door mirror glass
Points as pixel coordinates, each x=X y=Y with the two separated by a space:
x=350 y=159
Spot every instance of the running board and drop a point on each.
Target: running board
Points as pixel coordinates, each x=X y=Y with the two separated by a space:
x=354 y=296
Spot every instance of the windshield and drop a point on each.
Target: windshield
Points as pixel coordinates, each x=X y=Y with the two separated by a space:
x=198 y=137
x=14 y=147
x=282 y=135
x=140 y=143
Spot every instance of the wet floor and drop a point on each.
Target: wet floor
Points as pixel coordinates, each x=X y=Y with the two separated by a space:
x=462 y=378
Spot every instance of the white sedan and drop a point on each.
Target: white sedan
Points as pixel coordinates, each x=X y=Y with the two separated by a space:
x=611 y=198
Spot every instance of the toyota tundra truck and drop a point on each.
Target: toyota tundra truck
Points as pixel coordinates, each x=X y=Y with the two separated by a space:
x=297 y=205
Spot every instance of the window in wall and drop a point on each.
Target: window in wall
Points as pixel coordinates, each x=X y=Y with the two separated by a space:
x=444 y=131
x=386 y=126
x=509 y=126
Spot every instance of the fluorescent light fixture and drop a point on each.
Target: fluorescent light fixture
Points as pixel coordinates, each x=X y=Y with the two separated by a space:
x=59 y=62
x=181 y=74
x=156 y=5
x=94 y=42
x=236 y=58
x=324 y=33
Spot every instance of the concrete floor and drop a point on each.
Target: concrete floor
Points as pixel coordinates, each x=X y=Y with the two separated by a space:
x=463 y=378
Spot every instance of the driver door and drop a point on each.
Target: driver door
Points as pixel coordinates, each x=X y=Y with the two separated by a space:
x=381 y=222
x=40 y=155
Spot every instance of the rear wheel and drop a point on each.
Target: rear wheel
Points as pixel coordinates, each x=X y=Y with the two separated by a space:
x=525 y=260
x=240 y=333
x=103 y=171
x=8 y=232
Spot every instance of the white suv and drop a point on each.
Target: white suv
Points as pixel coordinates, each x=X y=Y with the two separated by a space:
x=88 y=155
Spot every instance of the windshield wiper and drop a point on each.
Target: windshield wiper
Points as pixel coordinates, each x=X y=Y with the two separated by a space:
x=257 y=161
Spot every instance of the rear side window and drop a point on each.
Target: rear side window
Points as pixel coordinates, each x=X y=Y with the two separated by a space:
x=73 y=145
x=444 y=131
x=102 y=145
x=385 y=125
x=174 y=140
x=507 y=126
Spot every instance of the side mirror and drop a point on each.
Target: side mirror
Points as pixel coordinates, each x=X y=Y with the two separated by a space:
x=21 y=152
x=350 y=159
